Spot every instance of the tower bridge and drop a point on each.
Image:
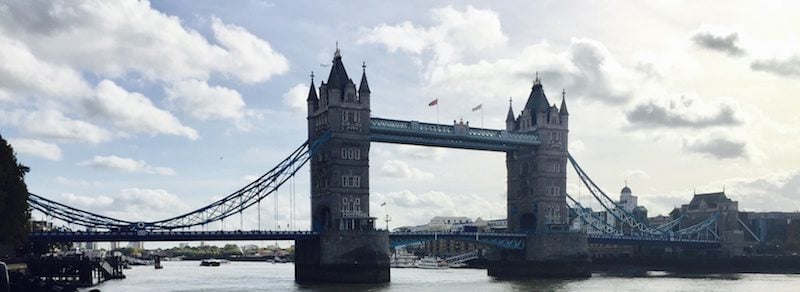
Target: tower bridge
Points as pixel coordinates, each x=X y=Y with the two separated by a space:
x=343 y=244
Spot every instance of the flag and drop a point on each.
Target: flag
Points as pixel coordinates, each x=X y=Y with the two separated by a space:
x=479 y=107
x=383 y=204
x=433 y=102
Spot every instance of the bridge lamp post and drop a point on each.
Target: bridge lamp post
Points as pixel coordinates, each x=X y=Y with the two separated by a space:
x=386 y=215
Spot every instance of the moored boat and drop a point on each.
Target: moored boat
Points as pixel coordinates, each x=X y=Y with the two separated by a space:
x=430 y=262
x=210 y=263
x=403 y=259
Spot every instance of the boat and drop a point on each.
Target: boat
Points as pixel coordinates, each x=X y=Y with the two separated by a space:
x=403 y=259
x=430 y=262
x=210 y=263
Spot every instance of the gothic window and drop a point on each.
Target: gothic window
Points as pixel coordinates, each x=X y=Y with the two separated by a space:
x=351 y=153
x=552 y=191
x=345 y=204
x=350 y=120
x=553 y=167
x=552 y=214
x=351 y=181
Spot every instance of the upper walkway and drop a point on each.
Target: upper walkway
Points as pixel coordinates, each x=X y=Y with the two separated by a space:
x=451 y=136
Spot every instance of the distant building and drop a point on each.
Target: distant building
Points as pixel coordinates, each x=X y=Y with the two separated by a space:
x=771 y=228
x=727 y=227
x=136 y=244
x=41 y=226
x=627 y=202
x=659 y=220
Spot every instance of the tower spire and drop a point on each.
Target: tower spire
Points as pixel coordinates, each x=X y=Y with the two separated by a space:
x=312 y=92
x=364 y=87
x=563 y=110
x=510 y=115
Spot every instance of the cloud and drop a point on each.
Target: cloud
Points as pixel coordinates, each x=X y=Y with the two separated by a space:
x=52 y=124
x=36 y=148
x=718 y=147
x=249 y=58
x=455 y=34
x=720 y=43
x=121 y=37
x=75 y=183
x=117 y=163
x=86 y=202
x=462 y=64
x=418 y=152
x=400 y=170
x=133 y=112
x=409 y=208
x=774 y=192
x=132 y=204
x=205 y=102
x=789 y=67
x=634 y=174
x=295 y=98
x=683 y=112
x=23 y=73
x=50 y=49
x=576 y=146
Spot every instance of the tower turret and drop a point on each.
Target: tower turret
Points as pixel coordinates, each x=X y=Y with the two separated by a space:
x=363 y=89
x=510 y=117
x=312 y=100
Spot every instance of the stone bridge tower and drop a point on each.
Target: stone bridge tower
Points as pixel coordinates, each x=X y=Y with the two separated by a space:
x=349 y=248
x=536 y=197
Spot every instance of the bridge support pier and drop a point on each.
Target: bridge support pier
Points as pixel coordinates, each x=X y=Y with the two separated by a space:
x=548 y=255
x=343 y=257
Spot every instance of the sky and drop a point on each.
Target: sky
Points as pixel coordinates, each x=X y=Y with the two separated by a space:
x=145 y=110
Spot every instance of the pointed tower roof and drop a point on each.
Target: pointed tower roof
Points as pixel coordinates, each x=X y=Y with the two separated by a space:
x=312 y=92
x=364 y=87
x=338 y=76
x=563 y=110
x=537 y=100
x=510 y=116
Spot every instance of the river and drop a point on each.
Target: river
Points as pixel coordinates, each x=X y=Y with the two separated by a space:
x=256 y=276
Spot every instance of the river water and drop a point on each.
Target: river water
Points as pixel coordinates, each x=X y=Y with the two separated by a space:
x=258 y=276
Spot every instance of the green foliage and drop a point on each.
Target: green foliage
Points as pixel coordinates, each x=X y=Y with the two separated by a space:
x=14 y=213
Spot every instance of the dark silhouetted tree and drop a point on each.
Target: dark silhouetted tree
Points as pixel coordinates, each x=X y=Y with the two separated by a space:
x=14 y=212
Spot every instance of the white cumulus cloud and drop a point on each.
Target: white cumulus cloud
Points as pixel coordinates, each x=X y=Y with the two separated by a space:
x=401 y=170
x=36 y=148
x=205 y=102
x=134 y=112
x=123 y=164
x=295 y=98
x=52 y=124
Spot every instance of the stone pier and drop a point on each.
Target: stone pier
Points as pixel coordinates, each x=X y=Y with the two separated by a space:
x=551 y=255
x=343 y=257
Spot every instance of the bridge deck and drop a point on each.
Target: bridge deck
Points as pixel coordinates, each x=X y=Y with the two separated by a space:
x=450 y=136
x=504 y=240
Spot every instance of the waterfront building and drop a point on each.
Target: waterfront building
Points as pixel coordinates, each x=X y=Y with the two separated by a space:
x=728 y=226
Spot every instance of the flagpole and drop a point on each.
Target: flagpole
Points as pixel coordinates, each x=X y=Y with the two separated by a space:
x=481 y=115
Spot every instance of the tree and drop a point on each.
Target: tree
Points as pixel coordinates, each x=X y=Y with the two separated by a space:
x=14 y=213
